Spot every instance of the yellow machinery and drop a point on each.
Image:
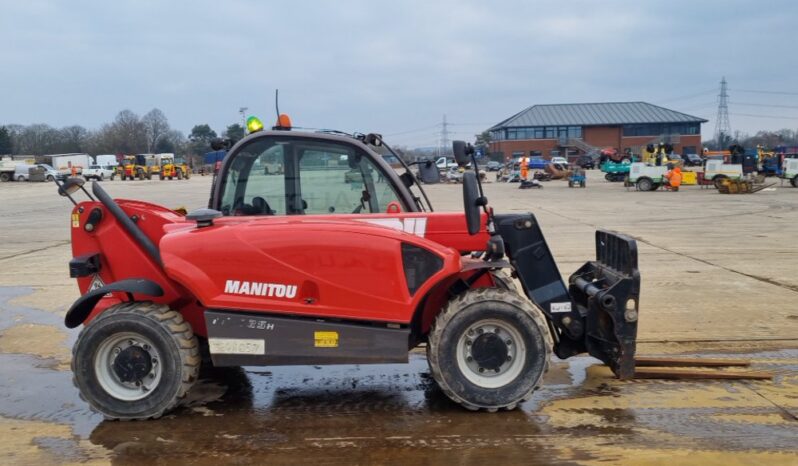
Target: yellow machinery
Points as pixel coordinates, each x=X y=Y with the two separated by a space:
x=662 y=151
x=134 y=167
x=170 y=169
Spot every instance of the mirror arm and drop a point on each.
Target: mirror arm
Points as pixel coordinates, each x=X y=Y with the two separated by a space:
x=407 y=168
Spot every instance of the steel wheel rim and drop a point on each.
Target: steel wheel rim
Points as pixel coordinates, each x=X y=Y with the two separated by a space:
x=107 y=377
x=509 y=370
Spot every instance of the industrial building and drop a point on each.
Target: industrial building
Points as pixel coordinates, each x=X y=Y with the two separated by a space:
x=570 y=130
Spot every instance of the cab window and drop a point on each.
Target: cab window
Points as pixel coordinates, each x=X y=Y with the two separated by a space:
x=273 y=176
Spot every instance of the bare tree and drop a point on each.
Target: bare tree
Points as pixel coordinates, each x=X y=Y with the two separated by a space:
x=155 y=126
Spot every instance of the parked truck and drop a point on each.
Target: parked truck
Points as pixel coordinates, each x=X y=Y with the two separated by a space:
x=7 y=167
x=65 y=163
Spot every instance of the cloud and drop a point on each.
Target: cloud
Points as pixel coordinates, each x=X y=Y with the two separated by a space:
x=381 y=66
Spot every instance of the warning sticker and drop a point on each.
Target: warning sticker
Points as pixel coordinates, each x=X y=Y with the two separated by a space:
x=96 y=283
x=75 y=220
x=325 y=339
x=560 y=307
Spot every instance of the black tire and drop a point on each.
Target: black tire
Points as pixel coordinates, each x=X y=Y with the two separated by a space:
x=179 y=174
x=645 y=184
x=133 y=322
x=475 y=309
x=113 y=175
x=102 y=177
x=160 y=176
x=4 y=177
x=50 y=178
x=503 y=280
x=718 y=181
x=794 y=181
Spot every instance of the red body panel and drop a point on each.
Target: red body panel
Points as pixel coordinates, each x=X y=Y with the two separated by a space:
x=342 y=266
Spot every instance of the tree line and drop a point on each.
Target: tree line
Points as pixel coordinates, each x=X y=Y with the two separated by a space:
x=128 y=133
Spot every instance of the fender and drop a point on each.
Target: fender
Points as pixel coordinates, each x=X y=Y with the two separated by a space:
x=85 y=304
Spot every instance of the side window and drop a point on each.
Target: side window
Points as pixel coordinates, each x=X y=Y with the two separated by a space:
x=255 y=183
x=339 y=180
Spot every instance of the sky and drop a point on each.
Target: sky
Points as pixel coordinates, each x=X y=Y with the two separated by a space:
x=392 y=67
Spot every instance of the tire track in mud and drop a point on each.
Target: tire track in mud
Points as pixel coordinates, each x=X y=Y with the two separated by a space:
x=32 y=251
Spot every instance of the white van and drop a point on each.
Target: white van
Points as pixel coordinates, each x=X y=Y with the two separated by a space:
x=22 y=172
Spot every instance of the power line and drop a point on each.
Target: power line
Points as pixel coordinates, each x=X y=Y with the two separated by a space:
x=766 y=92
x=418 y=130
x=763 y=105
x=777 y=117
x=690 y=96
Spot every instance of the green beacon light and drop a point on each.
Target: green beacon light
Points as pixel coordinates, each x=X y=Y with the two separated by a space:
x=254 y=125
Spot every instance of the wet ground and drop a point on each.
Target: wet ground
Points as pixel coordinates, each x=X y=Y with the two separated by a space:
x=738 y=304
x=390 y=414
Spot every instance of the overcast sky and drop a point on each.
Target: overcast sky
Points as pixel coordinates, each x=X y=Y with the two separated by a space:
x=392 y=67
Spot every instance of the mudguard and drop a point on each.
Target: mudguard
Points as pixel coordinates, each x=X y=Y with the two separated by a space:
x=85 y=304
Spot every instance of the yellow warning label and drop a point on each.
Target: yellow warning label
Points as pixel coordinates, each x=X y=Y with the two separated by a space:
x=325 y=339
x=75 y=220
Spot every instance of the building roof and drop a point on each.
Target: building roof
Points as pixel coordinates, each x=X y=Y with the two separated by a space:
x=596 y=114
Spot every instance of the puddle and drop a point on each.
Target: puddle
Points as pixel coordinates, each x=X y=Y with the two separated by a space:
x=395 y=413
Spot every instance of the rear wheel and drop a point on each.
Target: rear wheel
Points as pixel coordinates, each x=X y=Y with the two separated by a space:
x=180 y=174
x=102 y=177
x=50 y=178
x=718 y=181
x=135 y=361
x=489 y=349
x=5 y=177
x=645 y=184
x=794 y=181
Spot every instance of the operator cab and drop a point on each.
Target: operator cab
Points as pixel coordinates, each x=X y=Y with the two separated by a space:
x=282 y=173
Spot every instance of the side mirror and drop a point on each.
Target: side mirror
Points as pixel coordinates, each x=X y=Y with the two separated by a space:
x=221 y=144
x=429 y=173
x=71 y=186
x=472 y=202
x=462 y=152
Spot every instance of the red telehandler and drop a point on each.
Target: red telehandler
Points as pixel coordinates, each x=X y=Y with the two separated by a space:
x=317 y=266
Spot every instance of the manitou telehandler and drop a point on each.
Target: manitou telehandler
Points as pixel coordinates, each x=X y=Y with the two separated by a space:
x=306 y=268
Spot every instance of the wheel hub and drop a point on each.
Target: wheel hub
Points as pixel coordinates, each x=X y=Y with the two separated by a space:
x=132 y=364
x=489 y=351
x=128 y=366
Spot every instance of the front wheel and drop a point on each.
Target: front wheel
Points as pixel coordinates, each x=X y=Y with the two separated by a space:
x=102 y=177
x=644 y=184
x=488 y=349
x=136 y=360
x=50 y=178
x=718 y=181
x=794 y=181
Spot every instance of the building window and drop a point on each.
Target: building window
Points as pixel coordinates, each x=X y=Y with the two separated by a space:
x=538 y=132
x=574 y=132
x=656 y=129
x=551 y=132
x=554 y=153
x=518 y=155
x=689 y=150
x=535 y=153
